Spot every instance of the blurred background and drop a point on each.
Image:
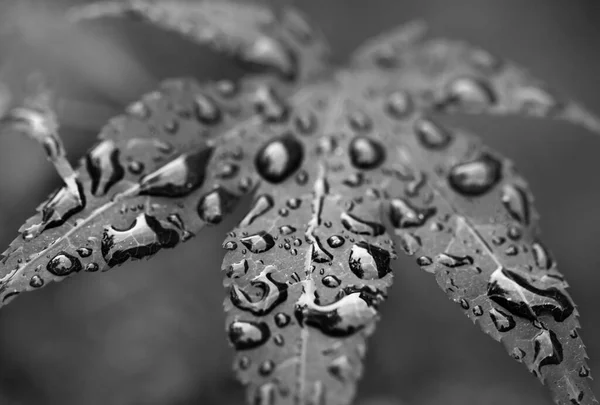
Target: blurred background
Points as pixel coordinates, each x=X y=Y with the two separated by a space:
x=152 y=332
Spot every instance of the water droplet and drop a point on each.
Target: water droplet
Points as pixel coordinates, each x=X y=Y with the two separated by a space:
x=135 y=167
x=331 y=281
x=36 y=281
x=516 y=294
x=518 y=354
x=237 y=269
x=179 y=177
x=431 y=135
x=139 y=110
x=360 y=226
x=269 y=105
x=476 y=177
x=227 y=171
x=369 y=262
x=278 y=340
x=502 y=321
x=215 y=204
x=359 y=121
x=293 y=203
x=424 y=261
x=399 y=105
x=226 y=88
x=344 y=317
x=92 y=267
x=262 y=204
x=354 y=180
x=144 y=237
x=84 y=252
x=469 y=94
x=244 y=362
x=541 y=256
x=306 y=122
x=63 y=264
x=516 y=203
x=273 y=293
x=464 y=303
x=319 y=254
x=409 y=242
x=103 y=165
x=584 y=372
x=546 y=350
x=453 y=261
x=245 y=335
x=265 y=394
x=511 y=250
x=270 y=52
x=286 y=230
x=282 y=320
x=335 y=241
x=279 y=158
x=259 y=242
x=477 y=310
x=266 y=368
x=366 y=153
x=206 y=110
x=405 y=215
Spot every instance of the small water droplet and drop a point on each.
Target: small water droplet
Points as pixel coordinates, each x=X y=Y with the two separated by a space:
x=206 y=111
x=84 y=252
x=286 y=230
x=405 y=215
x=306 y=122
x=331 y=281
x=269 y=105
x=431 y=135
x=273 y=293
x=399 y=105
x=282 y=320
x=36 y=281
x=227 y=171
x=278 y=340
x=92 y=267
x=516 y=203
x=293 y=203
x=279 y=158
x=319 y=254
x=360 y=226
x=366 y=153
x=135 y=167
x=245 y=335
x=335 y=241
x=476 y=177
x=259 y=242
x=266 y=368
x=103 y=165
x=518 y=354
x=477 y=310
x=541 y=256
x=584 y=371
x=424 y=261
x=502 y=321
x=359 y=121
x=237 y=269
x=453 y=261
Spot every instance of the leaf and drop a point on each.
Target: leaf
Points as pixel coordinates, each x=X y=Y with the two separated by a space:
x=334 y=163
x=451 y=76
x=254 y=34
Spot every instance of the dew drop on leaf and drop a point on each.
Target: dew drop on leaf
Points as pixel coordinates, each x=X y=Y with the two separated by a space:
x=215 y=204
x=366 y=153
x=269 y=105
x=541 y=256
x=360 y=226
x=36 y=281
x=206 y=111
x=405 y=215
x=468 y=93
x=245 y=335
x=501 y=320
x=547 y=350
x=369 y=262
x=262 y=204
x=331 y=281
x=238 y=269
x=63 y=264
x=84 y=252
x=259 y=242
x=92 y=267
x=431 y=135
x=282 y=320
x=476 y=177
x=286 y=230
x=273 y=294
x=279 y=158
x=103 y=165
x=453 y=261
x=399 y=105
x=335 y=241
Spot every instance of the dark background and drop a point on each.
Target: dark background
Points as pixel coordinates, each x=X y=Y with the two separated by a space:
x=152 y=332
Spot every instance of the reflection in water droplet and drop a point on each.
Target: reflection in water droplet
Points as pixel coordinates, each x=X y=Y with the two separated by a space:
x=279 y=158
x=366 y=153
x=431 y=135
x=245 y=335
x=502 y=321
x=144 y=237
x=546 y=350
x=513 y=292
x=179 y=177
x=63 y=264
x=516 y=202
x=369 y=262
x=273 y=293
x=103 y=165
x=541 y=256
x=343 y=318
x=215 y=204
x=476 y=177
x=360 y=226
x=331 y=281
x=259 y=242
x=335 y=241
x=405 y=215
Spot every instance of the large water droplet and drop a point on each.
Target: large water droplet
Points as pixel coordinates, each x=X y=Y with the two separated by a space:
x=502 y=321
x=369 y=262
x=366 y=153
x=476 y=177
x=319 y=254
x=144 y=237
x=215 y=204
x=245 y=335
x=273 y=293
x=262 y=204
x=546 y=350
x=259 y=242
x=63 y=264
x=279 y=158
x=431 y=135
x=360 y=226
x=405 y=215
x=515 y=293
x=206 y=110
x=179 y=177
x=343 y=318
x=103 y=165
x=516 y=202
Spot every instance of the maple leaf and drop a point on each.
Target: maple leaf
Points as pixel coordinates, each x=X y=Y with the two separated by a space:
x=342 y=165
